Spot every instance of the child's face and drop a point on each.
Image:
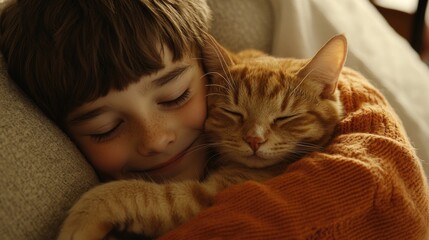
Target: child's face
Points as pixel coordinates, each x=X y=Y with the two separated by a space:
x=149 y=129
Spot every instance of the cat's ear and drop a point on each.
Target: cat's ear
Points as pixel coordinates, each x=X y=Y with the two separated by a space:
x=215 y=57
x=325 y=67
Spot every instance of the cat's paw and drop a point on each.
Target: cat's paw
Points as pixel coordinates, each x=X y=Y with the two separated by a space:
x=90 y=218
x=75 y=228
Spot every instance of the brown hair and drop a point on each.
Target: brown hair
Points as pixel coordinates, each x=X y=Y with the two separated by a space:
x=64 y=53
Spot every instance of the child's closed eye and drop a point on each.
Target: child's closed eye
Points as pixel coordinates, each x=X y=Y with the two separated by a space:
x=100 y=137
x=177 y=101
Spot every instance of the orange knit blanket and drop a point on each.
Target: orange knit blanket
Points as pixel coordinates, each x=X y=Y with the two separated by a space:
x=367 y=184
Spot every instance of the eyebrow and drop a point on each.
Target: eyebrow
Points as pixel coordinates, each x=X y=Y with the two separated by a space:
x=173 y=74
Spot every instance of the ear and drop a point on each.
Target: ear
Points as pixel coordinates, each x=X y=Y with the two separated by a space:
x=325 y=67
x=216 y=58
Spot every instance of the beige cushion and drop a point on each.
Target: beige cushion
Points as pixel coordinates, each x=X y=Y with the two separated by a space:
x=242 y=24
x=42 y=172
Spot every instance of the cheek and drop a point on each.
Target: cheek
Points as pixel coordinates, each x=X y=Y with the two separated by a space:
x=194 y=113
x=108 y=158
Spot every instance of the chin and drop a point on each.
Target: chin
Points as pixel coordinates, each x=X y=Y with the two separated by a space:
x=256 y=161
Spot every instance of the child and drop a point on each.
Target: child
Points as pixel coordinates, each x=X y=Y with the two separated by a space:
x=122 y=79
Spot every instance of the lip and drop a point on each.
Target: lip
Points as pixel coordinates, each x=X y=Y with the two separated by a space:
x=173 y=161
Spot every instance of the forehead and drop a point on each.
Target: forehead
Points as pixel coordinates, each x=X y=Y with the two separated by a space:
x=170 y=70
x=260 y=80
x=265 y=85
x=252 y=87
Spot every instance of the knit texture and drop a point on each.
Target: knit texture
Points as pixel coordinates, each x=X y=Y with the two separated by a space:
x=367 y=184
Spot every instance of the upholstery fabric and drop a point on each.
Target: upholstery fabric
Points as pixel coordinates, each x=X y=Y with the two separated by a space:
x=42 y=172
x=242 y=24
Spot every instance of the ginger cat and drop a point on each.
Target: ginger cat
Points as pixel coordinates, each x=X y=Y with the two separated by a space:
x=264 y=113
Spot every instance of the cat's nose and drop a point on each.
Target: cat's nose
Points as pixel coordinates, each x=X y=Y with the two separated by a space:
x=255 y=142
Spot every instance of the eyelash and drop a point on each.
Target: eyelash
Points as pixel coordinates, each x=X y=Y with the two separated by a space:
x=178 y=101
x=100 y=137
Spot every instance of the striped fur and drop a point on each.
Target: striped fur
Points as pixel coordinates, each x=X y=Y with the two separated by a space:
x=264 y=112
x=279 y=103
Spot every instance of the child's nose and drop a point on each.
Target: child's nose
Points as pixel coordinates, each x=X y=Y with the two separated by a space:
x=154 y=141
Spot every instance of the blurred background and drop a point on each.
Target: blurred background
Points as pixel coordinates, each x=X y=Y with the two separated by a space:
x=410 y=18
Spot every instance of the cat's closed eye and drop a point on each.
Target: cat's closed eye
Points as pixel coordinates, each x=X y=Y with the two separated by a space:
x=233 y=113
x=286 y=117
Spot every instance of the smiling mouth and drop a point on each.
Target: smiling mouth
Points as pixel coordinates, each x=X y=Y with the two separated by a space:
x=168 y=163
x=174 y=160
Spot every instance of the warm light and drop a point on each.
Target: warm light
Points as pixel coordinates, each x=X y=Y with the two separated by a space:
x=408 y=6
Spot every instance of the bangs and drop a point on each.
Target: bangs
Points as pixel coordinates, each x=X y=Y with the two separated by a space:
x=115 y=52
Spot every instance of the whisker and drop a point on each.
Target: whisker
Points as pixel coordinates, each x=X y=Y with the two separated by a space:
x=216 y=94
x=209 y=73
x=223 y=63
x=302 y=80
x=228 y=90
x=202 y=146
x=216 y=85
x=213 y=156
x=309 y=146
